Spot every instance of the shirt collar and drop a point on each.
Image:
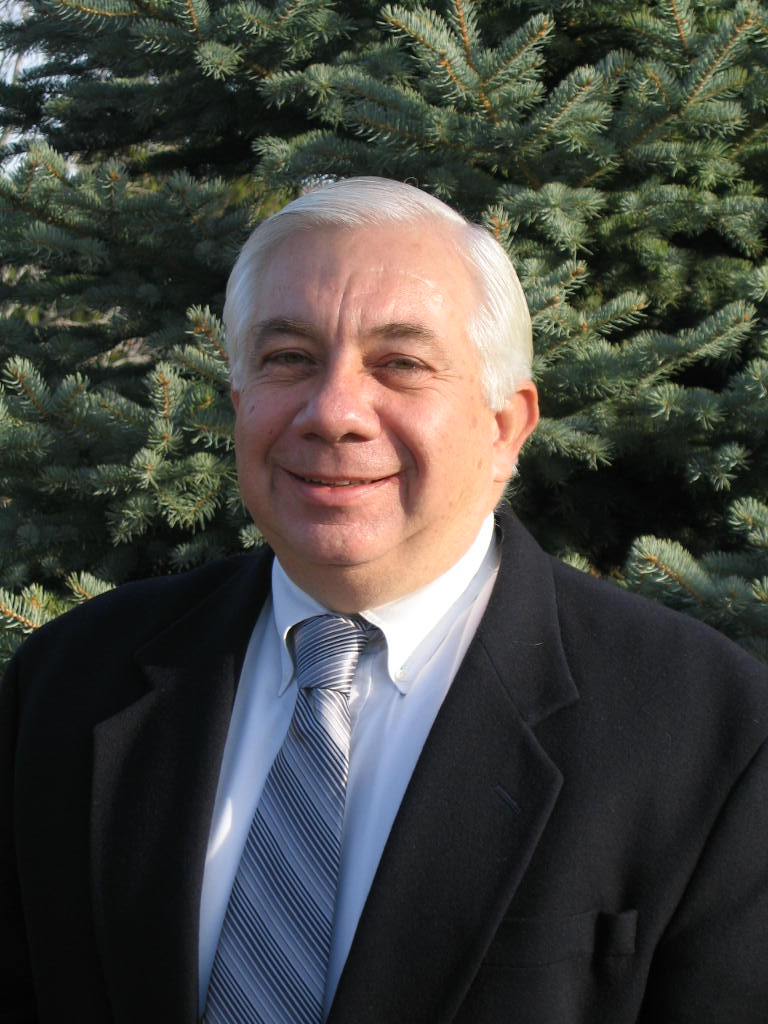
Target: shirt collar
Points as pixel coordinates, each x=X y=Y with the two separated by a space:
x=405 y=622
x=410 y=621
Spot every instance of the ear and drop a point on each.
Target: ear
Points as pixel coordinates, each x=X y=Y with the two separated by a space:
x=235 y=396
x=515 y=422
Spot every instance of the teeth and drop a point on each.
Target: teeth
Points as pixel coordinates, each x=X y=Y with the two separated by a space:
x=335 y=483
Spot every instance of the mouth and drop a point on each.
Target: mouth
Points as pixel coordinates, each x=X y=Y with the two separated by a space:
x=338 y=493
x=322 y=482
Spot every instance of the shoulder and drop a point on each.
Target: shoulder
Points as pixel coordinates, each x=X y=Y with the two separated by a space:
x=668 y=688
x=627 y=629
x=135 y=612
x=636 y=660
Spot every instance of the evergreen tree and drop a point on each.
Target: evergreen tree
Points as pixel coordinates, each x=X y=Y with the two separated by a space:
x=617 y=149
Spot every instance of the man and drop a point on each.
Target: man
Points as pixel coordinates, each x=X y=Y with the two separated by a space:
x=554 y=807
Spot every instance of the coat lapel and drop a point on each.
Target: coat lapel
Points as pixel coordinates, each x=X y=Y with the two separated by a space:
x=156 y=766
x=473 y=814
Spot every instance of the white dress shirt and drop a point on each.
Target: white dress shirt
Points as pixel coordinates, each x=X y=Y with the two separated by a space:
x=396 y=694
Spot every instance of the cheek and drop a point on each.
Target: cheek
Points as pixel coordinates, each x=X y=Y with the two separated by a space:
x=442 y=441
x=258 y=423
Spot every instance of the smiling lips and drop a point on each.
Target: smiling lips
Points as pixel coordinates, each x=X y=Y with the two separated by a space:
x=334 y=482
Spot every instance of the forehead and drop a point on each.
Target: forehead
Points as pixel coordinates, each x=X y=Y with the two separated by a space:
x=367 y=272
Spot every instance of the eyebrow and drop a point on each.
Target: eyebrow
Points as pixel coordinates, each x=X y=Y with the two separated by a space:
x=301 y=328
x=279 y=325
x=405 y=329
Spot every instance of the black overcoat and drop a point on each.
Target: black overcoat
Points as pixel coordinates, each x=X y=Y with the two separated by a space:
x=584 y=839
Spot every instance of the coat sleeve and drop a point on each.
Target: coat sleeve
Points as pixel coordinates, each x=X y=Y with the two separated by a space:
x=711 y=965
x=17 y=998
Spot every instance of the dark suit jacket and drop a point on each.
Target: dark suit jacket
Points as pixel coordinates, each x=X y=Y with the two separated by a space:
x=585 y=837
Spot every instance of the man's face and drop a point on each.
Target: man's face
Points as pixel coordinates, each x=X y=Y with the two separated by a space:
x=366 y=452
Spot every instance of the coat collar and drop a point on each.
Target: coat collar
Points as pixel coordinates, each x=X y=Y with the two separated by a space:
x=478 y=802
x=150 y=828
x=520 y=630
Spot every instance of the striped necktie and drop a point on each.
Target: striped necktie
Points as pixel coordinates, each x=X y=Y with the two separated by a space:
x=272 y=959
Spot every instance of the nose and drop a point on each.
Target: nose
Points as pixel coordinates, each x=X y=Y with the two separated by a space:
x=340 y=405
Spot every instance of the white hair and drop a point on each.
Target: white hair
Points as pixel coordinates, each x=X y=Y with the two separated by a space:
x=501 y=325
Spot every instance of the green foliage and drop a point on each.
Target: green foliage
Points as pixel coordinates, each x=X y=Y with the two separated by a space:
x=729 y=590
x=616 y=148
x=115 y=483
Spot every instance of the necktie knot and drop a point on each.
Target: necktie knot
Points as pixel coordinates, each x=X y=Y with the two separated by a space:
x=327 y=649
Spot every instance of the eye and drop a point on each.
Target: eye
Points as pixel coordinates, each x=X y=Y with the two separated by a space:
x=285 y=364
x=401 y=371
x=289 y=357
x=404 y=363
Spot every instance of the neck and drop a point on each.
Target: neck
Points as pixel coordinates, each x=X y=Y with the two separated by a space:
x=349 y=589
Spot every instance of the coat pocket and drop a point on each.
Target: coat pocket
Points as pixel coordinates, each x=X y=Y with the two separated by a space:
x=538 y=941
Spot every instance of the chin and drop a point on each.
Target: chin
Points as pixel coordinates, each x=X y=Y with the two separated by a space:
x=332 y=546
